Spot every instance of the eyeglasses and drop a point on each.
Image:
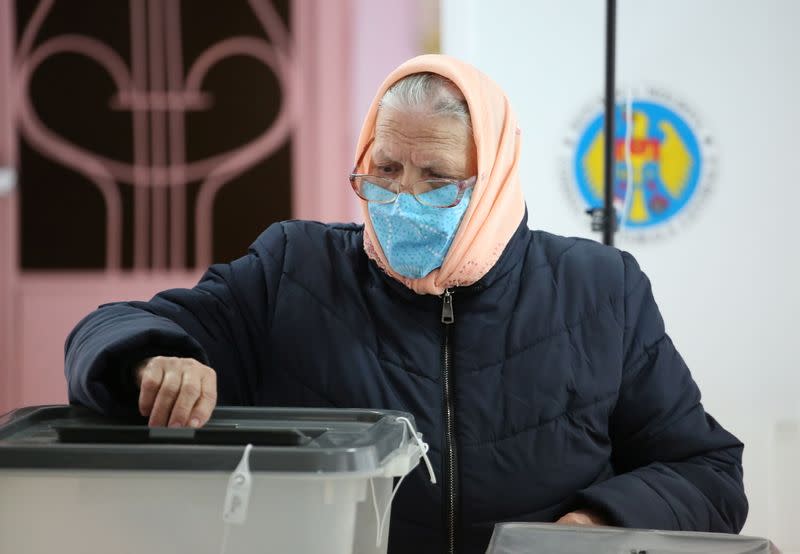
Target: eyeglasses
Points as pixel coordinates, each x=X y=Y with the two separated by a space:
x=435 y=193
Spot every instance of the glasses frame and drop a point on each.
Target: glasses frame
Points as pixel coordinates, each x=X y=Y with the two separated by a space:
x=462 y=185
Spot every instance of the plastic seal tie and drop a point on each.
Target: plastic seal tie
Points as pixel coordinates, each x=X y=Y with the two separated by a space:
x=423 y=446
x=237 y=496
x=381 y=518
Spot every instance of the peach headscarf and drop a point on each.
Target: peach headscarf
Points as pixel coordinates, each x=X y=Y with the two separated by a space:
x=497 y=205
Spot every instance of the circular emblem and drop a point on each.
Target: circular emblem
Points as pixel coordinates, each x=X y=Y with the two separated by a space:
x=662 y=162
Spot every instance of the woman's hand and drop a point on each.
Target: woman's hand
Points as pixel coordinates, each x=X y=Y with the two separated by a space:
x=176 y=392
x=582 y=517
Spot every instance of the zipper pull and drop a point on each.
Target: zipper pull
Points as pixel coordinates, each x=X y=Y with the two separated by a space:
x=447 y=307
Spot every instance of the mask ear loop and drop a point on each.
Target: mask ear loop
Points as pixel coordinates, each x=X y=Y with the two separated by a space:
x=423 y=446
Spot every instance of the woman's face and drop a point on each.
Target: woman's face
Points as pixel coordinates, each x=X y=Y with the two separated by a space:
x=411 y=147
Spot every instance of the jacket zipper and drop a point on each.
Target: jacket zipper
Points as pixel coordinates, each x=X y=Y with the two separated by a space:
x=450 y=450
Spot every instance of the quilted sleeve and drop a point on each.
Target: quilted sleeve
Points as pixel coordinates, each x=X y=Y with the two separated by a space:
x=677 y=468
x=222 y=322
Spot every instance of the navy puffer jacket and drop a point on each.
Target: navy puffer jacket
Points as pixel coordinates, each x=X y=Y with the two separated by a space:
x=565 y=391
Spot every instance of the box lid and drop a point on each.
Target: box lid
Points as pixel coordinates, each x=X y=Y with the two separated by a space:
x=295 y=440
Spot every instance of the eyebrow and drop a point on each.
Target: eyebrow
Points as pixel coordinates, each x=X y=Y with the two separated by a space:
x=441 y=165
x=444 y=166
x=380 y=154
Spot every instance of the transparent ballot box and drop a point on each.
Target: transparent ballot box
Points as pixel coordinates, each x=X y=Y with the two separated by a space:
x=251 y=480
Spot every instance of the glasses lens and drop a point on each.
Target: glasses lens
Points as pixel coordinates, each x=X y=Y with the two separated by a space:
x=439 y=194
x=375 y=189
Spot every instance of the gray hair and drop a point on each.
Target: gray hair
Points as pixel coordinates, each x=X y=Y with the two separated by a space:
x=427 y=92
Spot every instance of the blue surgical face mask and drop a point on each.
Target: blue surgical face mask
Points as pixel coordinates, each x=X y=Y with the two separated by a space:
x=416 y=238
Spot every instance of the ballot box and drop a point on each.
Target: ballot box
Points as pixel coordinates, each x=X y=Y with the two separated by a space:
x=252 y=480
x=545 y=538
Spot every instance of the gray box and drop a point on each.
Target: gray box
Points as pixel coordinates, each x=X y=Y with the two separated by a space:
x=545 y=538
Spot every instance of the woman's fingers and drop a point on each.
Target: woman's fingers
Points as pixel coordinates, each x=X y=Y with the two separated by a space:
x=188 y=395
x=205 y=404
x=165 y=399
x=176 y=391
x=583 y=517
x=149 y=377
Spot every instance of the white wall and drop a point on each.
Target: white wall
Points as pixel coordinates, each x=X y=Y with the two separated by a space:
x=727 y=280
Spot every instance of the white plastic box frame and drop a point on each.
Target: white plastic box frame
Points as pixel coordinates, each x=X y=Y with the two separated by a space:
x=325 y=495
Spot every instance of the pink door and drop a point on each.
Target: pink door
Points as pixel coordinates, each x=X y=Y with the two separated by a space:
x=154 y=208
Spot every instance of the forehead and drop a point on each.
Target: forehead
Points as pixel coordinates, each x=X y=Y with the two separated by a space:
x=405 y=134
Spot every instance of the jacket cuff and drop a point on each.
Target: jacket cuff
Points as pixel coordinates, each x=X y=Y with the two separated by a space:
x=629 y=501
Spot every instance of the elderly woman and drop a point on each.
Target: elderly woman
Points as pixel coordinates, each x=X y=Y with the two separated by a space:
x=536 y=366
